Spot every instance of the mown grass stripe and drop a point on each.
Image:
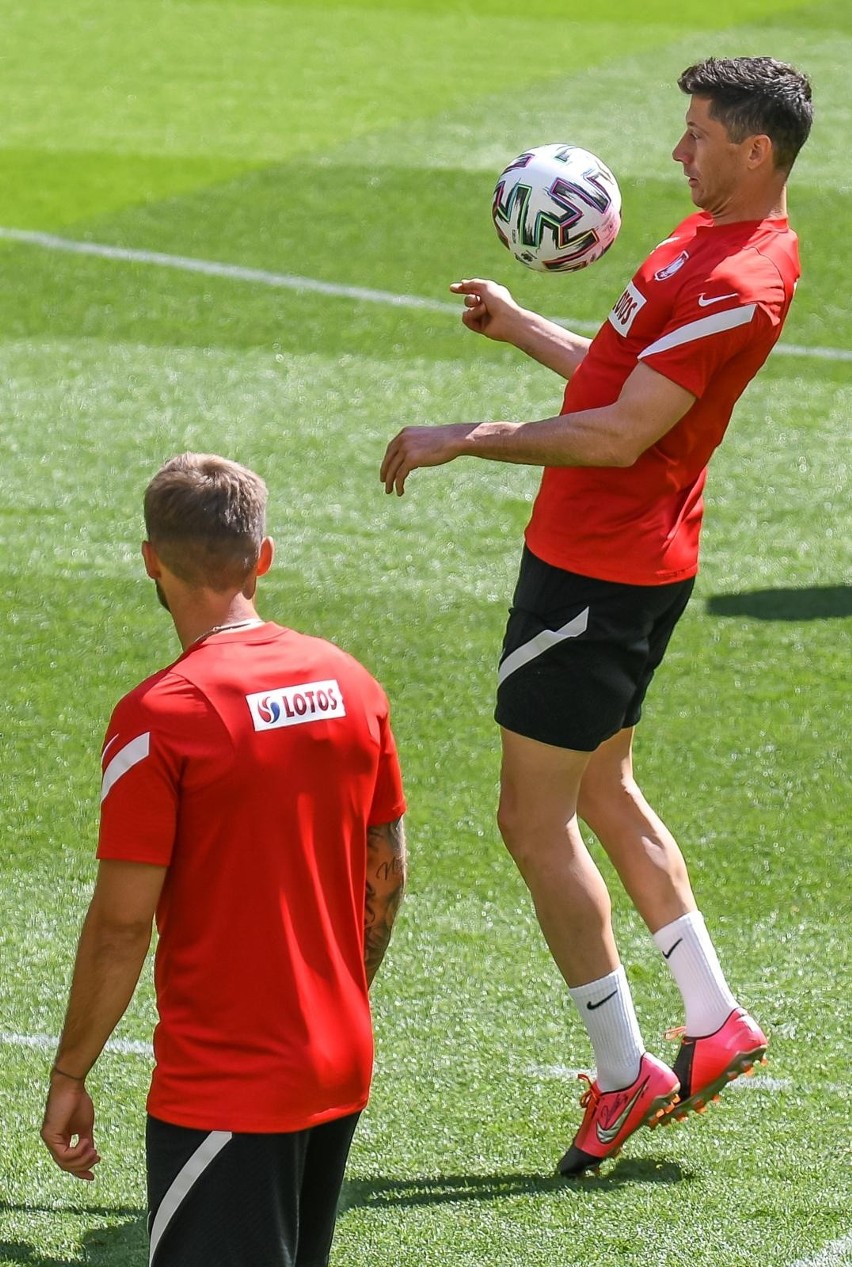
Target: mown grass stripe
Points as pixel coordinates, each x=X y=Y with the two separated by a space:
x=293 y=281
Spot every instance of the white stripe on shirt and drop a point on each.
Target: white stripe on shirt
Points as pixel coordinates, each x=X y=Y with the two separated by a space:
x=701 y=329
x=125 y=759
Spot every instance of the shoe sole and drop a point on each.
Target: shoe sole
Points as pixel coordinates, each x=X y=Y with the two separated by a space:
x=743 y=1063
x=656 y=1114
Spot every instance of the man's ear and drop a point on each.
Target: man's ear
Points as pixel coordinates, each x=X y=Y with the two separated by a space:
x=759 y=151
x=265 y=556
x=152 y=563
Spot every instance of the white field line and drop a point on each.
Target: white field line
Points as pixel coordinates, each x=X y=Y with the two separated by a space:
x=835 y=1254
x=292 y=281
x=49 y=1042
x=212 y=268
x=758 y=1082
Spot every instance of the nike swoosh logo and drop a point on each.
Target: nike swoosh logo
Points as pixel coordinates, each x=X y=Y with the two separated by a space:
x=606 y=1134
x=591 y=1006
x=704 y=301
x=668 y=953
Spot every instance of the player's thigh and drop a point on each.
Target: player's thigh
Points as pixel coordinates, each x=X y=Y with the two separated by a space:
x=218 y=1199
x=325 y=1162
x=538 y=786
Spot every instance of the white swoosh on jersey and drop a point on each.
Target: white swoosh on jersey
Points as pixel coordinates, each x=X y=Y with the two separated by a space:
x=715 y=299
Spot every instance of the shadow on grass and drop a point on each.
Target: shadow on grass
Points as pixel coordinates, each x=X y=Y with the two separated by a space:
x=122 y=1246
x=817 y=602
x=377 y=1193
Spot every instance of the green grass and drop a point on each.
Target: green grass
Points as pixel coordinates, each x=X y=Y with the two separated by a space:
x=359 y=145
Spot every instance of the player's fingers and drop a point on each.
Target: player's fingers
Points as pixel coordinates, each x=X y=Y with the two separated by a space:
x=78 y=1159
x=388 y=459
x=468 y=285
x=84 y=1168
x=391 y=466
x=474 y=319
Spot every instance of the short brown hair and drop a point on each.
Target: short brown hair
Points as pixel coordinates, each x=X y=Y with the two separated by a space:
x=755 y=96
x=205 y=517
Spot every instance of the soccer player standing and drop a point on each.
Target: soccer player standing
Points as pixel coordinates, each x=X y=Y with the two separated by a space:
x=608 y=567
x=251 y=801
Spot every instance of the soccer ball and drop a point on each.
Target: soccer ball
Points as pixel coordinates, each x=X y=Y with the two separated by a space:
x=557 y=208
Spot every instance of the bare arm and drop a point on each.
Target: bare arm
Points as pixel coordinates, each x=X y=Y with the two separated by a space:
x=490 y=310
x=615 y=435
x=112 y=948
x=386 y=871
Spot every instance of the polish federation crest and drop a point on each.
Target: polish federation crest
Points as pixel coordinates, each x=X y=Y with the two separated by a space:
x=670 y=269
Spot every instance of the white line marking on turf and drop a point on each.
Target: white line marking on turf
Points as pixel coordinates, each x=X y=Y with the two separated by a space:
x=292 y=281
x=761 y=1082
x=49 y=1042
x=554 y=1071
x=832 y=1255
x=236 y=272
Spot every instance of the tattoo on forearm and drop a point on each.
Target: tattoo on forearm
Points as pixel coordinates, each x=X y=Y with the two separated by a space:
x=386 y=870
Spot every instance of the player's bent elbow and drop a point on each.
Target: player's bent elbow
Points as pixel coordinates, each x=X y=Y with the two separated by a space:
x=625 y=458
x=119 y=930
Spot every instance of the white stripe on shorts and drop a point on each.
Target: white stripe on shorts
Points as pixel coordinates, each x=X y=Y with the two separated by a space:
x=204 y=1154
x=542 y=642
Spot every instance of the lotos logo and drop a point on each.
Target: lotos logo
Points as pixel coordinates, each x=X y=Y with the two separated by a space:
x=268 y=709
x=296 y=705
x=625 y=308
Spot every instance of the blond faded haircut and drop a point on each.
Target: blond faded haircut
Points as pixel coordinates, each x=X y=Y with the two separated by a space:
x=205 y=517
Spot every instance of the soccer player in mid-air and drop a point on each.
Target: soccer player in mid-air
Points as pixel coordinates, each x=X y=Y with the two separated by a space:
x=608 y=567
x=252 y=800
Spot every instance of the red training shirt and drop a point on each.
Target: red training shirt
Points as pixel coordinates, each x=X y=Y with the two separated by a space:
x=251 y=768
x=704 y=310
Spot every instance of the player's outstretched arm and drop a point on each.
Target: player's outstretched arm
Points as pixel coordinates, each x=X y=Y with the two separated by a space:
x=490 y=310
x=386 y=872
x=614 y=435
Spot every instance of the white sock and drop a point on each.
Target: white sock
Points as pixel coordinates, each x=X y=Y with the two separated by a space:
x=691 y=956
x=606 y=1008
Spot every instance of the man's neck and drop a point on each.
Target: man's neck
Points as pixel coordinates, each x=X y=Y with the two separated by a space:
x=204 y=619
x=772 y=208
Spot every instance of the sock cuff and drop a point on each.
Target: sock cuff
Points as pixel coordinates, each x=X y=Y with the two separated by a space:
x=665 y=937
x=615 y=980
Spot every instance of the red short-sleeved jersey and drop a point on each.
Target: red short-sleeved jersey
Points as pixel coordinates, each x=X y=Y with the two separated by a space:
x=252 y=768
x=704 y=310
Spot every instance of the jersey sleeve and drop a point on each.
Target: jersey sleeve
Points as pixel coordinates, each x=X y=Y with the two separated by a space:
x=141 y=769
x=388 y=798
x=715 y=319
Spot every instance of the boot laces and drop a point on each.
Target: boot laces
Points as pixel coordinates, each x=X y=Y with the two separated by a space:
x=590 y=1094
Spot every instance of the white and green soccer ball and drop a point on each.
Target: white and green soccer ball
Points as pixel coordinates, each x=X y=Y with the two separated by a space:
x=557 y=208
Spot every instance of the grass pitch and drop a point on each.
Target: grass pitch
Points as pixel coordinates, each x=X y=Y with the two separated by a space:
x=358 y=146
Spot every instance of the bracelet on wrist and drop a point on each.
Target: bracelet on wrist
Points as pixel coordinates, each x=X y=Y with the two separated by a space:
x=63 y=1074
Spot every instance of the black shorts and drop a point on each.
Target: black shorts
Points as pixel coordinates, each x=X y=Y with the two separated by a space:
x=217 y=1199
x=579 y=654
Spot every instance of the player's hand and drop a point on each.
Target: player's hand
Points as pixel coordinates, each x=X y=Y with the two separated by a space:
x=419 y=446
x=489 y=309
x=69 y=1113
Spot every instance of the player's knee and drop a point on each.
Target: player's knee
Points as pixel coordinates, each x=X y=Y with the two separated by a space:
x=513 y=825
